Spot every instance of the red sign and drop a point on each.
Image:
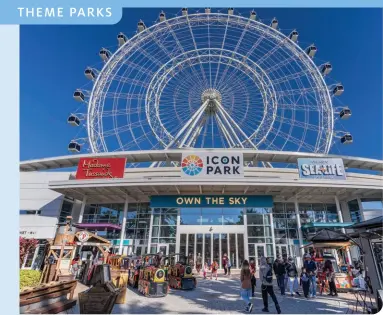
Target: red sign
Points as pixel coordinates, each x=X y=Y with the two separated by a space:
x=92 y=168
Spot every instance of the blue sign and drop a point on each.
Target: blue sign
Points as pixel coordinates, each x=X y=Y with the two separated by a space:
x=317 y=168
x=213 y=201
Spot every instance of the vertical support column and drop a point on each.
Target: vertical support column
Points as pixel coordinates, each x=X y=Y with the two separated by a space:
x=340 y=217
x=195 y=249
x=272 y=235
x=122 y=234
x=361 y=210
x=220 y=250
x=228 y=250
x=300 y=235
x=83 y=204
x=211 y=248
x=187 y=245
x=150 y=232
x=203 y=248
x=245 y=241
x=236 y=249
x=178 y=233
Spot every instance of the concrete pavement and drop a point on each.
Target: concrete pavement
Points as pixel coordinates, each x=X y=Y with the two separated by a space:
x=222 y=297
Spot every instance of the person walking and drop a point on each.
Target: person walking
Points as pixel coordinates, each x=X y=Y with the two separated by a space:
x=214 y=270
x=285 y=262
x=292 y=274
x=280 y=273
x=228 y=265
x=330 y=275
x=266 y=278
x=253 y=269
x=305 y=282
x=311 y=268
x=224 y=263
x=198 y=265
x=246 y=285
x=205 y=269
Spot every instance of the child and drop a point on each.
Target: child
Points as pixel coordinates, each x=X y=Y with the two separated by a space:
x=204 y=270
x=305 y=282
x=214 y=270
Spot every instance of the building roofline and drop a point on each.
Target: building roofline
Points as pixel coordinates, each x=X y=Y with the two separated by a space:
x=175 y=155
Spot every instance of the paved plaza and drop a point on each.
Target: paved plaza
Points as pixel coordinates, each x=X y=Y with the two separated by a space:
x=222 y=297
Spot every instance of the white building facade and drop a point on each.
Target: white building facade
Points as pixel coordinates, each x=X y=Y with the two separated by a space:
x=263 y=212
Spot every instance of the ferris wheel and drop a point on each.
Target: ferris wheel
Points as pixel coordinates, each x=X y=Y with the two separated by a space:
x=210 y=80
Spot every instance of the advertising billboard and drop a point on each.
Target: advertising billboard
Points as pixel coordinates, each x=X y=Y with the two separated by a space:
x=209 y=165
x=317 y=168
x=93 y=168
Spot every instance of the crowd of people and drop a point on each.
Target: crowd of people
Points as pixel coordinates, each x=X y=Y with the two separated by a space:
x=288 y=279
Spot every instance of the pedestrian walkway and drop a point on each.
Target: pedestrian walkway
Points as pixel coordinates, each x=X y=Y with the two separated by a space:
x=222 y=297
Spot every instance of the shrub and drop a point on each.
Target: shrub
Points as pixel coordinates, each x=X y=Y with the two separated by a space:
x=29 y=278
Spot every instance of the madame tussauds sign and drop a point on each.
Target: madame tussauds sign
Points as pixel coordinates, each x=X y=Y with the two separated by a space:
x=208 y=165
x=92 y=168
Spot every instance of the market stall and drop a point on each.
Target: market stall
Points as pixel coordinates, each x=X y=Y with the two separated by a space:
x=324 y=242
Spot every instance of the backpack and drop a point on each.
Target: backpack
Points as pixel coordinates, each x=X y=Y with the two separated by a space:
x=269 y=276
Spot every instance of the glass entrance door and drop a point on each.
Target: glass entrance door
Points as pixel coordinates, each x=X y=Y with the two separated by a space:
x=164 y=248
x=260 y=251
x=212 y=246
x=281 y=250
x=256 y=251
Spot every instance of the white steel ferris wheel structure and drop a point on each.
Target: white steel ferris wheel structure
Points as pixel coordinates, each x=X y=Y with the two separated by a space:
x=209 y=80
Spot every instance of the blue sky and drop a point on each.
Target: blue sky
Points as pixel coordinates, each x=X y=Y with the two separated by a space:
x=53 y=59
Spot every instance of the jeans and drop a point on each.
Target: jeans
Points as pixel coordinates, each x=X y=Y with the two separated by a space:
x=313 y=285
x=293 y=284
x=281 y=283
x=268 y=290
x=253 y=284
x=245 y=295
x=306 y=287
x=332 y=287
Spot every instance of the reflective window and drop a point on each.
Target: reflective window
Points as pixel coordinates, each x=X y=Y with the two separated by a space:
x=232 y=219
x=255 y=219
x=66 y=210
x=213 y=219
x=190 y=219
x=255 y=231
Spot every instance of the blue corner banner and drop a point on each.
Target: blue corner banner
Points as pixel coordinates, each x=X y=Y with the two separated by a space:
x=24 y=12
x=213 y=201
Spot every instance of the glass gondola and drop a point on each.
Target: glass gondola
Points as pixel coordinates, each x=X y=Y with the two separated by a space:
x=274 y=23
x=311 y=51
x=89 y=73
x=73 y=120
x=345 y=113
x=346 y=139
x=326 y=69
x=74 y=147
x=79 y=96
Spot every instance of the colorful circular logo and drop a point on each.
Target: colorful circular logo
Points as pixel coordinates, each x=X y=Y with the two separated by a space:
x=192 y=165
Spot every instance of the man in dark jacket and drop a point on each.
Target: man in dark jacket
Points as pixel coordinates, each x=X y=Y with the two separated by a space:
x=280 y=272
x=292 y=274
x=311 y=268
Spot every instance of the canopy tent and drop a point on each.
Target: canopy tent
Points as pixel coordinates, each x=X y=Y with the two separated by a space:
x=327 y=238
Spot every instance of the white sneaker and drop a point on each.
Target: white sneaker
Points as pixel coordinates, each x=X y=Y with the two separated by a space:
x=311 y=295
